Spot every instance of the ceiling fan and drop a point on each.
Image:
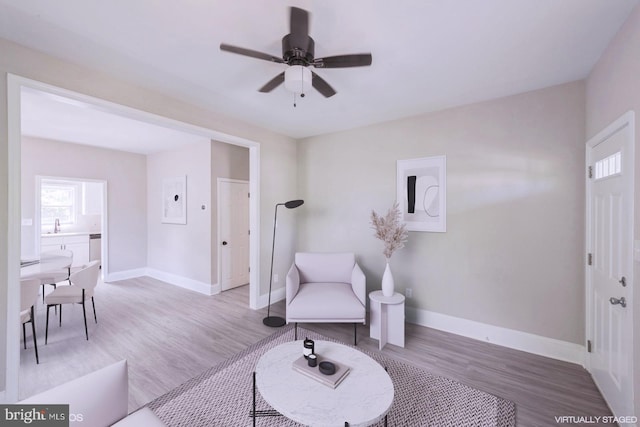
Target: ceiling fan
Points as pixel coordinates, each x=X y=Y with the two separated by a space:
x=298 y=50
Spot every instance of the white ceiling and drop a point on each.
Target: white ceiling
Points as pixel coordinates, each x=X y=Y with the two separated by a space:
x=54 y=117
x=427 y=54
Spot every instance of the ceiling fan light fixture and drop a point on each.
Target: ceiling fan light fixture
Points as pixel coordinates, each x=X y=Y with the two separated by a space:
x=298 y=53
x=297 y=79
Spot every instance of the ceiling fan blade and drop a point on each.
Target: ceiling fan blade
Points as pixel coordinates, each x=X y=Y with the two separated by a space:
x=343 y=61
x=299 y=26
x=273 y=83
x=250 y=53
x=322 y=86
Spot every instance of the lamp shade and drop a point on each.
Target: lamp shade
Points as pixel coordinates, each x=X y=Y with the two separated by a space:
x=297 y=79
x=292 y=204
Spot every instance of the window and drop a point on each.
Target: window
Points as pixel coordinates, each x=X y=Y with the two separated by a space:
x=609 y=166
x=58 y=201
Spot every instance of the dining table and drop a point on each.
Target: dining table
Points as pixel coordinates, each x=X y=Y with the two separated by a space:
x=42 y=268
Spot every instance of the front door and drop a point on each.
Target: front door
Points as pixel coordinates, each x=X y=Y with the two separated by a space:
x=610 y=216
x=233 y=233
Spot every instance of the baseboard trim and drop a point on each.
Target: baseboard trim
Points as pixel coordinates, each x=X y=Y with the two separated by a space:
x=183 y=282
x=276 y=295
x=524 y=341
x=172 y=279
x=536 y=344
x=125 y=275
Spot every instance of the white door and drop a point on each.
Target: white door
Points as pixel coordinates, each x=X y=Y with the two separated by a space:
x=610 y=216
x=233 y=233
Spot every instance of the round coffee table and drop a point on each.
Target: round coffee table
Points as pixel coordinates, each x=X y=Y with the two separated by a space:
x=361 y=399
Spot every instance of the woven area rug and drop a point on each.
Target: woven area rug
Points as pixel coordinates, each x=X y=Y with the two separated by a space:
x=222 y=395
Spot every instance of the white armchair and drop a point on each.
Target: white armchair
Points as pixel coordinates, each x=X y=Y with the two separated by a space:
x=98 y=399
x=325 y=288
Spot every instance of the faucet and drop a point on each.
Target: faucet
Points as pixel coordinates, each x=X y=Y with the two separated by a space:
x=56 y=227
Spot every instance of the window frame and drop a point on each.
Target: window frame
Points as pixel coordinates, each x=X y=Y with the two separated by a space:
x=73 y=206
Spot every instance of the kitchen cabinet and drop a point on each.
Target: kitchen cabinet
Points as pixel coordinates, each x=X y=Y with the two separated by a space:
x=77 y=243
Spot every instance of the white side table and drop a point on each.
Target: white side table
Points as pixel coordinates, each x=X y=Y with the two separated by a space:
x=387 y=318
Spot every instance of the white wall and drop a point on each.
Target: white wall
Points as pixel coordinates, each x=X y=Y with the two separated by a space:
x=277 y=152
x=125 y=174
x=512 y=254
x=4 y=226
x=181 y=249
x=283 y=188
x=613 y=89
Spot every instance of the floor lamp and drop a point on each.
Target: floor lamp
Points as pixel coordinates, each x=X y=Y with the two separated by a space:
x=275 y=321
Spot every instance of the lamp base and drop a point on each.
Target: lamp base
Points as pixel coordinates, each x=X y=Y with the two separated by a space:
x=274 y=321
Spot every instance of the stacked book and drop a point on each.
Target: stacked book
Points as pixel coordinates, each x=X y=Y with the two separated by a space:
x=301 y=365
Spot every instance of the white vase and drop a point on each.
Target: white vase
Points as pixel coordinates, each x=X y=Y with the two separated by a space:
x=387 y=282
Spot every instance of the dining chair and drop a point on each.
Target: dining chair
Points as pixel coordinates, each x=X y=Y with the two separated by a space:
x=54 y=277
x=83 y=284
x=29 y=289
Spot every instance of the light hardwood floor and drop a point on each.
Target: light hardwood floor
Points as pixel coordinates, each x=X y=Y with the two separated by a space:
x=169 y=335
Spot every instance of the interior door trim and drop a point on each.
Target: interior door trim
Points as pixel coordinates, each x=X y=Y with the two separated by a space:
x=626 y=120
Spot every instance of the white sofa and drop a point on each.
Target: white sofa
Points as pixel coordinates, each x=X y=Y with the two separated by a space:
x=327 y=288
x=98 y=399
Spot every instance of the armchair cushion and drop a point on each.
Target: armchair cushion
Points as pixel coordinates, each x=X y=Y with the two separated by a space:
x=325 y=267
x=325 y=302
x=100 y=397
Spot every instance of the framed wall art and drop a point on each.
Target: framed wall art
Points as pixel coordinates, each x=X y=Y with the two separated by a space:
x=174 y=200
x=421 y=193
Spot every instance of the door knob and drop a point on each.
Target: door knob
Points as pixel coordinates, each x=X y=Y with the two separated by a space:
x=621 y=301
x=623 y=281
x=224 y=243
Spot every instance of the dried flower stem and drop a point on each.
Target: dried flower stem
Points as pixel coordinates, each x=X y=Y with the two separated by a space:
x=390 y=230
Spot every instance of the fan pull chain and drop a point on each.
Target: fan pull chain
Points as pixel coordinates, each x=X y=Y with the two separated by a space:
x=301 y=88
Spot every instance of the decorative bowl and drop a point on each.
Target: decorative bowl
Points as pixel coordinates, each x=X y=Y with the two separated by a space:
x=327 y=368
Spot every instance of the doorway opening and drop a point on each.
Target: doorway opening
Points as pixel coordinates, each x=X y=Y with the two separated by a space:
x=15 y=86
x=233 y=233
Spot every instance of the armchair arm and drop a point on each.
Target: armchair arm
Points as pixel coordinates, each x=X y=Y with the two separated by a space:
x=292 y=283
x=359 y=284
